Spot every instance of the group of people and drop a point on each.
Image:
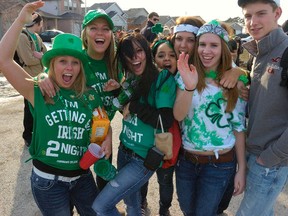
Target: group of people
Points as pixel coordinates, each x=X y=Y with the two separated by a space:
x=187 y=77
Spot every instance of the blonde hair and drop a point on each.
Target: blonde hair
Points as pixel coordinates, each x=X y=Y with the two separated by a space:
x=79 y=85
x=109 y=54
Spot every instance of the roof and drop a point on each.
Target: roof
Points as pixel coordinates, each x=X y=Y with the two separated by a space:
x=7 y=4
x=71 y=15
x=134 y=12
x=103 y=6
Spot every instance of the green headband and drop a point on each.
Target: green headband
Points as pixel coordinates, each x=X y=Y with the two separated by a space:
x=159 y=42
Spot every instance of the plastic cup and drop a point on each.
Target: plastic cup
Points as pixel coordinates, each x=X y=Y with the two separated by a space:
x=105 y=169
x=91 y=156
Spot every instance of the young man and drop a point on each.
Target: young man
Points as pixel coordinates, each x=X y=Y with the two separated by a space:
x=30 y=50
x=267 y=135
x=153 y=18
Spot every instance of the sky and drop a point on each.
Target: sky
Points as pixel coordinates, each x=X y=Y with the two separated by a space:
x=207 y=9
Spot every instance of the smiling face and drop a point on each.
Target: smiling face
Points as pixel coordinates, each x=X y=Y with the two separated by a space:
x=98 y=36
x=209 y=51
x=165 y=58
x=184 y=42
x=260 y=19
x=137 y=63
x=67 y=69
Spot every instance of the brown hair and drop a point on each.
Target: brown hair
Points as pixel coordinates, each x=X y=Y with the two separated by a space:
x=231 y=95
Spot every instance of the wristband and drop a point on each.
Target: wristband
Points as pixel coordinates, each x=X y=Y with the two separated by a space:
x=190 y=90
x=244 y=79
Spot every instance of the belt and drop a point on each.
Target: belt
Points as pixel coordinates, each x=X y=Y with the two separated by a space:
x=129 y=151
x=54 y=177
x=203 y=159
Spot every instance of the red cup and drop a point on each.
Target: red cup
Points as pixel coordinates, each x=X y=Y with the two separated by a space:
x=91 y=156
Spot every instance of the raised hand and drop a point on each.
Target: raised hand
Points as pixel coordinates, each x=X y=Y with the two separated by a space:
x=188 y=72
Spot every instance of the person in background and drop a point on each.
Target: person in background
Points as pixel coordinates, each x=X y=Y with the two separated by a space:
x=213 y=125
x=267 y=132
x=136 y=30
x=154 y=95
x=57 y=181
x=30 y=50
x=233 y=47
x=152 y=19
x=285 y=27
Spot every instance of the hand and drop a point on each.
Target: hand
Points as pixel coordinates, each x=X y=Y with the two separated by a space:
x=25 y=15
x=243 y=91
x=46 y=85
x=111 y=85
x=239 y=183
x=106 y=147
x=126 y=111
x=259 y=161
x=230 y=77
x=188 y=72
x=37 y=55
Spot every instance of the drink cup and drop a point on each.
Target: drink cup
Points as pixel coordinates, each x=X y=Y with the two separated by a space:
x=105 y=169
x=91 y=156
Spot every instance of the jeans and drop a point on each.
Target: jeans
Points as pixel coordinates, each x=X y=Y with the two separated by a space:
x=166 y=188
x=200 y=187
x=263 y=185
x=126 y=185
x=27 y=123
x=54 y=197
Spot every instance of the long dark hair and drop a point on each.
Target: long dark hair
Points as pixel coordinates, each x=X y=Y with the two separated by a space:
x=126 y=50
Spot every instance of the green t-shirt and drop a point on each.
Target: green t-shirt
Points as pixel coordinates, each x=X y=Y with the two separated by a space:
x=97 y=75
x=61 y=131
x=137 y=135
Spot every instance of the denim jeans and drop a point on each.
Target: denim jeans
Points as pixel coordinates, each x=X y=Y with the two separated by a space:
x=166 y=188
x=263 y=185
x=55 y=197
x=200 y=187
x=126 y=185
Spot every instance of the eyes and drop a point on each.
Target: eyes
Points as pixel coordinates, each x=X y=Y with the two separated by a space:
x=65 y=61
x=104 y=29
x=212 y=45
x=180 y=39
x=163 y=55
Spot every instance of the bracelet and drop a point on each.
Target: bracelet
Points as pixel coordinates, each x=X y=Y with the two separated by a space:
x=244 y=79
x=190 y=90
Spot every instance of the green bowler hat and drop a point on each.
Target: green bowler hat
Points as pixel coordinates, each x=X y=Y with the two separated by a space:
x=95 y=14
x=64 y=45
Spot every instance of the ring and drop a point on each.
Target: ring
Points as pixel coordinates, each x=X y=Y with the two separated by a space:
x=42 y=77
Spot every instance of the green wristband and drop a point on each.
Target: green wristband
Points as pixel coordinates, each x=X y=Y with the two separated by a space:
x=244 y=79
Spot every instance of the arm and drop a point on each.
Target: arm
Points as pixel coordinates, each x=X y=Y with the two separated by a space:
x=239 y=180
x=106 y=146
x=10 y=69
x=190 y=79
x=230 y=77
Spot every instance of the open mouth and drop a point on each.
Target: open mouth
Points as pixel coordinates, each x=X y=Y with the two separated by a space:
x=67 y=77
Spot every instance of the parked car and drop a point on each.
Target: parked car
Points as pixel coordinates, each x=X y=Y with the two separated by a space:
x=49 y=34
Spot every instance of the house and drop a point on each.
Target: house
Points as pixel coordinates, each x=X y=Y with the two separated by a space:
x=117 y=15
x=64 y=15
x=137 y=18
x=9 y=10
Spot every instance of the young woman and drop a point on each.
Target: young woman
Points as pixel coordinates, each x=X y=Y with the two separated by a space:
x=213 y=124
x=153 y=96
x=57 y=179
x=165 y=59
x=99 y=48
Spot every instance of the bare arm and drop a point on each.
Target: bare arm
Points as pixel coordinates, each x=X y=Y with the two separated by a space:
x=240 y=177
x=190 y=79
x=230 y=77
x=10 y=69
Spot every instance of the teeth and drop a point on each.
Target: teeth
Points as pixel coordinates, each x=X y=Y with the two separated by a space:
x=99 y=40
x=68 y=75
x=135 y=63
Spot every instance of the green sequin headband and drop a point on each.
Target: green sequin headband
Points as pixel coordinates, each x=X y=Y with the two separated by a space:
x=215 y=28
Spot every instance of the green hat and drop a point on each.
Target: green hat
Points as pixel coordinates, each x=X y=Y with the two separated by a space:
x=95 y=14
x=64 y=45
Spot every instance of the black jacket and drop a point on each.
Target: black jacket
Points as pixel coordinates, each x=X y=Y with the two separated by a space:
x=146 y=32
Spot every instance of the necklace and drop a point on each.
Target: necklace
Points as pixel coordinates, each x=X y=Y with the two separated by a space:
x=211 y=74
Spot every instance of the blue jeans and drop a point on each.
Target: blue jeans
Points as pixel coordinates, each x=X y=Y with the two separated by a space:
x=126 y=185
x=166 y=188
x=263 y=185
x=54 y=197
x=200 y=187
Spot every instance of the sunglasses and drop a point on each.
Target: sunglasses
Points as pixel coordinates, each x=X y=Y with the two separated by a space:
x=155 y=20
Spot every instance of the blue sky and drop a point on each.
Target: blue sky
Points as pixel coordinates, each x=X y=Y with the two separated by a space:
x=207 y=9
